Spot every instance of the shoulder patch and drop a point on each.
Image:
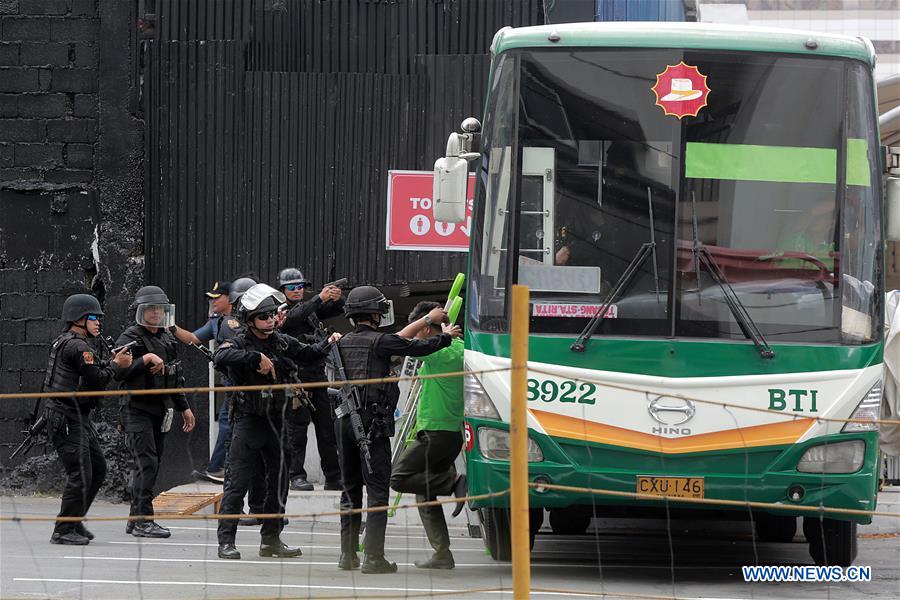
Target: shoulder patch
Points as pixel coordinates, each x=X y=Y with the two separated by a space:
x=233 y=324
x=87 y=358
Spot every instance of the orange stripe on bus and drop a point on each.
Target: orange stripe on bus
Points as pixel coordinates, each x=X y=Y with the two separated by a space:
x=785 y=432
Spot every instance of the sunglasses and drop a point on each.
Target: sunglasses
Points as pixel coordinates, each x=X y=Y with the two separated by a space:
x=293 y=287
x=93 y=317
x=267 y=316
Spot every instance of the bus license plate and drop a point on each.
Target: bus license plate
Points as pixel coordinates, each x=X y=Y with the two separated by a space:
x=679 y=487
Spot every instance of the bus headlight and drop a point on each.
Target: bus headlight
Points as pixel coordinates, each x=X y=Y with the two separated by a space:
x=840 y=457
x=868 y=409
x=478 y=403
x=494 y=445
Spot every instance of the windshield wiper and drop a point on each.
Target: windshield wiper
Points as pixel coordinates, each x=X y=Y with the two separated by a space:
x=702 y=255
x=646 y=249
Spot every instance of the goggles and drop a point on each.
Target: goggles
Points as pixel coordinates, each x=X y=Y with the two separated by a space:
x=93 y=317
x=293 y=287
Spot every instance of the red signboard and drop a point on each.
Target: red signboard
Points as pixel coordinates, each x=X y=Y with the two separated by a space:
x=410 y=221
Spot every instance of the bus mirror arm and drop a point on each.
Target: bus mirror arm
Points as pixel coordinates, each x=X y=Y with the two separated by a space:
x=451 y=173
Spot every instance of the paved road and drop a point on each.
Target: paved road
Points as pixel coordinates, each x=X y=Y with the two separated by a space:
x=635 y=561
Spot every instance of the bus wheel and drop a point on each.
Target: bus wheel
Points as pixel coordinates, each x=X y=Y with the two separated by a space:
x=496 y=530
x=831 y=542
x=567 y=521
x=775 y=528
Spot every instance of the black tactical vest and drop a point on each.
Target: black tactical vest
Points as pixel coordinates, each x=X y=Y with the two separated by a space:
x=62 y=376
x=266 y=403
x=362 y=362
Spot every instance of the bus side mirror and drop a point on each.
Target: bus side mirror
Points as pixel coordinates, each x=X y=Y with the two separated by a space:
x=451 y=181
x=892 y=209
x=451 y=173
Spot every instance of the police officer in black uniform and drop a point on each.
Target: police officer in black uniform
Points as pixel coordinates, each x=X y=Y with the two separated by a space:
x=146 y=418
x=366 y=354
x=300 y=321
x=75 y=366
x=260 y=355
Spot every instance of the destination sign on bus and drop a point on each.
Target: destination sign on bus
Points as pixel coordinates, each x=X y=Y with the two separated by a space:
x=571 y=310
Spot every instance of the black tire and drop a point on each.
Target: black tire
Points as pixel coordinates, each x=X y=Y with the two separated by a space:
x=566 y=521
x=536 y=521
x=831 y=542
x=775 y=528
x=496 y=527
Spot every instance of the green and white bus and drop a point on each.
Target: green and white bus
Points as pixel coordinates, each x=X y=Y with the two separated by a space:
x=697 y=211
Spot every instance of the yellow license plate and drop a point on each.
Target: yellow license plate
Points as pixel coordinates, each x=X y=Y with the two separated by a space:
x=679 y=487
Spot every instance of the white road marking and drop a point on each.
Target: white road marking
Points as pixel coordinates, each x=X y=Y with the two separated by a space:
x=149 y=544
x=332 y=533
x=301 y=561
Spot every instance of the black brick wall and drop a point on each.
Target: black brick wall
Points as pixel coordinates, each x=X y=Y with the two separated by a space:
x=49 y=79
x=71 y=204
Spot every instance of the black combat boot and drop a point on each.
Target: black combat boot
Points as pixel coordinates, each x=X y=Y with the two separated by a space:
x=150 y=529
x=439 y=560
x=378 y=564
x=69 y=538
x=80 y=529
x=229 y=551
x=348 y=561
x=460 y=490
x=278 y=549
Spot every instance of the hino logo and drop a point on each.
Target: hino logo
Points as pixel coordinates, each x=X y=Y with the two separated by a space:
x=671 y=430
x=670 y=411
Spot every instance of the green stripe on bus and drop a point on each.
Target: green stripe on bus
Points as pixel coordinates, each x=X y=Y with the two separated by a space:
x=745 y=162
x=681 y=358
x=858 y=171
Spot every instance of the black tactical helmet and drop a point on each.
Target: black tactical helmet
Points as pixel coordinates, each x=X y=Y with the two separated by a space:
x=151 y=294
x=366 y=300
x=79 y=305
x=238 y=288
x=289 y=276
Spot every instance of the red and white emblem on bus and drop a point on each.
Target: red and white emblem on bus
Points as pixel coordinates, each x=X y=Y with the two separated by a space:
x=681 y=90
x=470 y=436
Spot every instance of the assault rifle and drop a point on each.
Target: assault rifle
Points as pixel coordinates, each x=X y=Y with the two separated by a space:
x=31 y=436
x=349 y=394
x=206 y=352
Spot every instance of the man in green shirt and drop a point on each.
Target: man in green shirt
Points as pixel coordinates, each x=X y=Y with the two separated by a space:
x=426 y=467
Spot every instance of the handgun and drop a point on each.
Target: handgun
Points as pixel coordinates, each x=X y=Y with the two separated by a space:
x=339 y=283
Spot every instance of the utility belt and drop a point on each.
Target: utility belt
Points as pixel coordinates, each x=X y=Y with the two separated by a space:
x=377 y=416
x=72 y=406
x=260 y=404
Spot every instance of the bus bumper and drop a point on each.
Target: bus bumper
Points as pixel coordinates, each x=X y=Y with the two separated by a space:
x=761 y=474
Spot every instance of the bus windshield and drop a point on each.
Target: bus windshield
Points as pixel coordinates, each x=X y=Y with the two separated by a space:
x=593 y=176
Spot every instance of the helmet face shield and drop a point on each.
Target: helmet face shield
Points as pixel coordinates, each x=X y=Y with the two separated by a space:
x=155 y=315
x=387 y=315
x=254 y=297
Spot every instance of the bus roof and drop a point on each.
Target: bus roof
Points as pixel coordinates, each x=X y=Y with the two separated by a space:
x=699 y=36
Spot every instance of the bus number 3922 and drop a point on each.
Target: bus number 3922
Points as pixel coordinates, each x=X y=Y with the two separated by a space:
x=567 y=391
